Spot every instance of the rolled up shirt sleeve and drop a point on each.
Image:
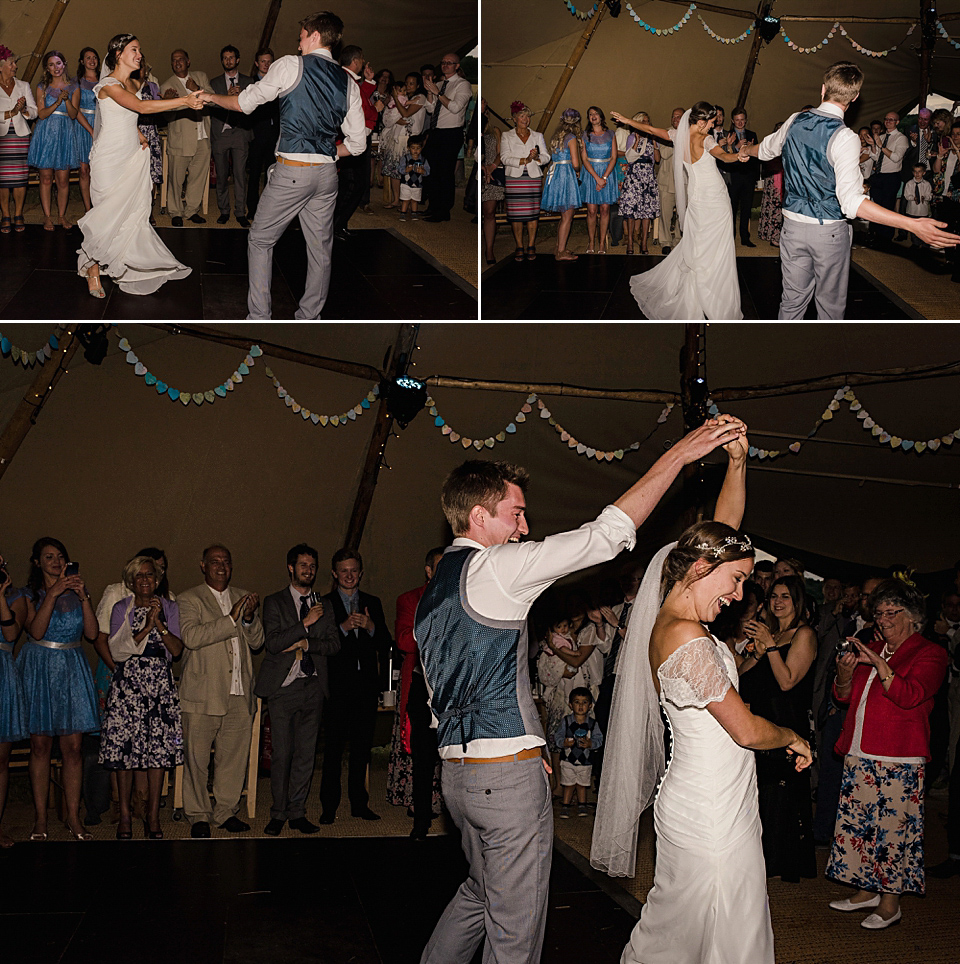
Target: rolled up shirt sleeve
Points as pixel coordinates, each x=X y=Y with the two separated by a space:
x=843 y=152
x=354 y=126
x=281 y=76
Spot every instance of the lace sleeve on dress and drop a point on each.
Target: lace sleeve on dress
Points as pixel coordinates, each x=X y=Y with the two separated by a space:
x=694 y=674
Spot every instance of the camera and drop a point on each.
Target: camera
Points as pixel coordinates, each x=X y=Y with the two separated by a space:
x=845 y=646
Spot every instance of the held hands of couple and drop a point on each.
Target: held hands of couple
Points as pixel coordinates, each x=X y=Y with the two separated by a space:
x=720 y=431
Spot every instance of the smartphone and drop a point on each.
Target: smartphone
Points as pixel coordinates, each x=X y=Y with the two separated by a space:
x=72 y=569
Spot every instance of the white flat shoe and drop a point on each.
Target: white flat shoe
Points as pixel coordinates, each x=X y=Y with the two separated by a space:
x=848 y=905
x=876 y=923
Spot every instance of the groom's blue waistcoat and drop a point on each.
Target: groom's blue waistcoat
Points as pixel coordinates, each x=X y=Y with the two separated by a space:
x=311 y=113
x=476 y=667
x=809 y=181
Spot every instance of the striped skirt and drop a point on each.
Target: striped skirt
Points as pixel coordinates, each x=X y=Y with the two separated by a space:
x=523 y=198
x=13 y=159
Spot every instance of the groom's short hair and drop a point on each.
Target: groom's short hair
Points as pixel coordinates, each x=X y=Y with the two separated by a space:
x=842 y=82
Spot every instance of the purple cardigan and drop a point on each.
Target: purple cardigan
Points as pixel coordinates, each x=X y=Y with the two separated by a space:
x=171 y=616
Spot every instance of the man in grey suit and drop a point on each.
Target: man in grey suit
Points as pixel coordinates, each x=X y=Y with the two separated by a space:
x=230 y=137
x=299 y=636
x=219 y=627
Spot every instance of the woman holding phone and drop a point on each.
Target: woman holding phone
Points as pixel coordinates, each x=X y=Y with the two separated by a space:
x=57 y=684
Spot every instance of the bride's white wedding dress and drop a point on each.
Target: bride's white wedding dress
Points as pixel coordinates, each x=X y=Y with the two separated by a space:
x=708 y=904
x=698 y=279
x=116 y=231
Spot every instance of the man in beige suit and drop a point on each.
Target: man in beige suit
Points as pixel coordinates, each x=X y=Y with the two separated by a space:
x=188 y=144
x=219 y=627
x=668 y=195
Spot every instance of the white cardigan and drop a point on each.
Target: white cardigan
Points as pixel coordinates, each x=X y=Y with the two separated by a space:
x=20 y=89
x=513 y=151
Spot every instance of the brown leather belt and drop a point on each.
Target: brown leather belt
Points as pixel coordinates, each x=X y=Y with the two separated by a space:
x=289 y=163
x=534 y=751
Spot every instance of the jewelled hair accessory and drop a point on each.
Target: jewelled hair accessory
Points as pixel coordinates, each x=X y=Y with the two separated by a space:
x=737 y=542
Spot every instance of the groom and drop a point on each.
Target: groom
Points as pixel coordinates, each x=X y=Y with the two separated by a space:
x=823 y=187
x=318 y=102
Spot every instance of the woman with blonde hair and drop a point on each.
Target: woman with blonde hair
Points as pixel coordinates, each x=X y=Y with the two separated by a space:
x=639 y=195
x=524 y=154
x=561 y=189
x=17 y=108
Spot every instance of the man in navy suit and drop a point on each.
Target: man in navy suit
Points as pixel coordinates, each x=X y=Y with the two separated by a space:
x=357 y=677
x=743 y=177
x=299 y=635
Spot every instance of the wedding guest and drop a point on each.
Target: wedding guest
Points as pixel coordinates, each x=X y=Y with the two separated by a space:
x=561 y=190
x=524 y=154
x=142 y=727
x=85 y=104
x=53 y=147
x=494 y=181
x=597 y=184
x=17 y=107
x=639 y=197
x=12 y=727
x=55 y=675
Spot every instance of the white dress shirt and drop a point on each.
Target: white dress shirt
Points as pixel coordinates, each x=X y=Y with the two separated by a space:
x=295 y=671
x=282 y=77
x=458 y=93
x=504 y=581
x=843 y=153
x=236 y=680
x=898 y=145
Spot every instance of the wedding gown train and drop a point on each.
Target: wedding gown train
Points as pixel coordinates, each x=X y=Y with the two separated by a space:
x=116 y=231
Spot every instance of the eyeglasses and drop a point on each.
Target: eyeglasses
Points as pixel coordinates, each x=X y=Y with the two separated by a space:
x=889 y=120
x=449 y=63
x=887 y=613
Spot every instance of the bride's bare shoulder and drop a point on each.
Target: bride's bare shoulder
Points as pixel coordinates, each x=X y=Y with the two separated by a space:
x=672 y=632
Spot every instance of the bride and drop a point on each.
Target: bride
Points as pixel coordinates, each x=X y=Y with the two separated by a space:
x=117 y=236
x=698 y=279
x=709 y=899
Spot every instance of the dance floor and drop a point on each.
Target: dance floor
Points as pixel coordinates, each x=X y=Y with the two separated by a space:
x=597 y=288
x=376 y=274
x=286 y=901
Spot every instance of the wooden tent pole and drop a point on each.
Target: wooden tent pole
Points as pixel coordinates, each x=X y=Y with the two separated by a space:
x=762 y=11
x=928 y=40
x=25 y=416
x=56 y=13
x=356 y=369
x=402 y=350
x=571 y=66
x=270 y=23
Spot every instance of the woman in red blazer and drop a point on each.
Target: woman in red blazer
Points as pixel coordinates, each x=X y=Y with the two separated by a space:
x=890 y=685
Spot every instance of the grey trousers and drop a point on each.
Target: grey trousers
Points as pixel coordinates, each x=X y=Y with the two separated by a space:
x=294 y=723
x=235 y=143
x=814 y=258
x=311 y=193
x=505 y=817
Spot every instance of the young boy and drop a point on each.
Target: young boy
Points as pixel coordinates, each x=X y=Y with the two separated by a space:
x=916 y=196
x=415 y=169
x=577 y=735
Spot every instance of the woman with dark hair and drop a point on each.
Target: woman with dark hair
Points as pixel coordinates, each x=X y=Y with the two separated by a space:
x=598 y=152
x=85 y=103
x=55 y=675
x=730 y=625
x=709 y=897
x=53 y=147
x=12 y=726
x=698 y=279
x=117 y=236
x=142 y=728
x=776 y=681
x=889 y=685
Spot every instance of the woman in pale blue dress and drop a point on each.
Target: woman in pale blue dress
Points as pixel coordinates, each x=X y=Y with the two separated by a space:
x=12 y=726
x=85 y=103
x=57 y=684
x=561 y=189
x=53 y=146
x=598 y=151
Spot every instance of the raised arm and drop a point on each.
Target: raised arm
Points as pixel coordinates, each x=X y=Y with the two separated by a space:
x=732 y=499
x=637 y=125
x=639 y=501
